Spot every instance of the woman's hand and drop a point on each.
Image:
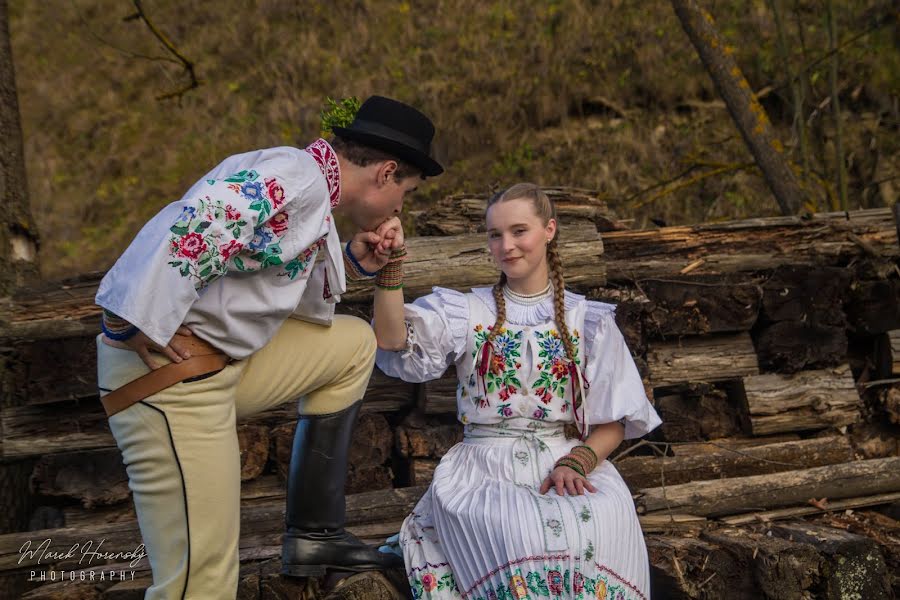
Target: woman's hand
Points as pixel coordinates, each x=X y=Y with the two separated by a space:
x=372 y=249
x=566 y=479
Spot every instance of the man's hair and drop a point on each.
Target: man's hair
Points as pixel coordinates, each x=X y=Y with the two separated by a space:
x=363 y=156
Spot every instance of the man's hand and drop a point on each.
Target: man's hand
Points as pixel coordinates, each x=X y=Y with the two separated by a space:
x=565 y=480
x=174 y=351
x=372 y=249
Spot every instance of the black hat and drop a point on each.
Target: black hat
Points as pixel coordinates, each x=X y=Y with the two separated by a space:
x=395 y=128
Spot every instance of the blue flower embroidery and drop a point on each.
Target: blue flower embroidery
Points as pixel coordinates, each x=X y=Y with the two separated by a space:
x=252 y=190
x=187 y=213
x=551 y=345
x=261 y=239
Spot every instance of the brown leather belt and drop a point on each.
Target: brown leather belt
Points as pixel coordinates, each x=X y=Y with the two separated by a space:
x=205 y=359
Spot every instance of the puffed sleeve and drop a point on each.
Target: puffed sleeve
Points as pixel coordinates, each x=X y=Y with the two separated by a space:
x=230 y=220
x=616 y=391
x=436 y=335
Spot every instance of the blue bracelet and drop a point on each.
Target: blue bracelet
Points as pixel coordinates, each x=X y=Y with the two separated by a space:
x=355 y=263
x=119 y=337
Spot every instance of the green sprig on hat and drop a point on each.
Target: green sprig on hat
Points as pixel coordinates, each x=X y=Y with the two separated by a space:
x=338 y=113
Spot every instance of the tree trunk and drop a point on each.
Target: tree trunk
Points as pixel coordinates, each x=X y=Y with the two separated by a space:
x=708 y=358
x=760 y=492
x=748 y=114
x=18 y=265
x=804 y=401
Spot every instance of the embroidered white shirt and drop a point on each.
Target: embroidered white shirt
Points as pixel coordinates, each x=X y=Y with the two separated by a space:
x=236 y=255
x=447 y=327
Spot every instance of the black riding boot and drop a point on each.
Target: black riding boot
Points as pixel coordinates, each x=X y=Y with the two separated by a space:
x=315 y=539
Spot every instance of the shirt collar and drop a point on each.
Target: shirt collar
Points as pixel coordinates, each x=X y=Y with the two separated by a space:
x=326 y=158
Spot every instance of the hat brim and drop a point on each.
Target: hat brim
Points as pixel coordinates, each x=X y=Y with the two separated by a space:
x=428 y=165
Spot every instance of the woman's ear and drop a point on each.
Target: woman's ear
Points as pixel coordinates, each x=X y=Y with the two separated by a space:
x=551 y=230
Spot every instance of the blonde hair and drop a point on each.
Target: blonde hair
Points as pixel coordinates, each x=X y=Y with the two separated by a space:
x=545 y=210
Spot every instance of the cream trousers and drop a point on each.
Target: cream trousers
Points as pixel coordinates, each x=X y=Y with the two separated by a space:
x=180 y=446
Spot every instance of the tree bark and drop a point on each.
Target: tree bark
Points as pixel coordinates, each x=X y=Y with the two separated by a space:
x=708 y=358
x=746 y=111
x=760 y=492
x=18 y=266
x=653 y=471
x=18 y=233
x=807 y=400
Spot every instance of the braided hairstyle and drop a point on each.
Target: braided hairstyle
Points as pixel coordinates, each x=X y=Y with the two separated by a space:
x=545 y=209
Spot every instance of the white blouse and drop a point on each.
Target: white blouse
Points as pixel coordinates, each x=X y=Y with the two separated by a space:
x=446 y=327
x=236 y=255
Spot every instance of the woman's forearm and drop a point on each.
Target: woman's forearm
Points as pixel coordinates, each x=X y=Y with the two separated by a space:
x=605 y=438
x=390 y=328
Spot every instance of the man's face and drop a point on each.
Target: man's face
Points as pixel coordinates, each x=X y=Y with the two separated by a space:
x=382 y=197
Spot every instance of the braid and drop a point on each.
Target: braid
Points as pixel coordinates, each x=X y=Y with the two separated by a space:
x=559 y=298
x=500 y=301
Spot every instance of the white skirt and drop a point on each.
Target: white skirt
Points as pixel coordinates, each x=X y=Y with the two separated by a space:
x=483 y=531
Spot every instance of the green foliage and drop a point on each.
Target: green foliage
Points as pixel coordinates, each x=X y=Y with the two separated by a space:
x=338 y=113
x=511 y=87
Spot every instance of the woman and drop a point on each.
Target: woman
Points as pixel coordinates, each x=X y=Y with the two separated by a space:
x=517 y=510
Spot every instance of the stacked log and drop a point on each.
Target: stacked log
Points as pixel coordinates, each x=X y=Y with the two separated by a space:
x=770 y=347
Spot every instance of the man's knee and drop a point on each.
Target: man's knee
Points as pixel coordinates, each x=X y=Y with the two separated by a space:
x=362 y=336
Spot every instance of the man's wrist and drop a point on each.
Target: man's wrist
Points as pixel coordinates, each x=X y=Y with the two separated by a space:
x=355 y=270
x=116 y=328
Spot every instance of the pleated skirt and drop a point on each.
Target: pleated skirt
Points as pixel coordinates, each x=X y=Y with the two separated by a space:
x=483 y=531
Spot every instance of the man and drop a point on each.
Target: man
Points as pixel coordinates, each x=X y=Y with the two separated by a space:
x=198 y=334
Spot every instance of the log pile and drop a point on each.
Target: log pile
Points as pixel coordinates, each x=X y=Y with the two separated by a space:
x=770 y=347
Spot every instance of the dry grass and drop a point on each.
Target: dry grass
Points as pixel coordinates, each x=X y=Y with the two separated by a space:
x=511 y=86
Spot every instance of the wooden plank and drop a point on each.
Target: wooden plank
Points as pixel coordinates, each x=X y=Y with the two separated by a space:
x=701 y=305
x=465 y=213
x=82 y=425
x=462 y=261
x=805 y=511
x=762 y=492
x=258 y=523
x=708 y=358
x=750 y=245
x=807 y=400
x=653 y=471
x=894 y=337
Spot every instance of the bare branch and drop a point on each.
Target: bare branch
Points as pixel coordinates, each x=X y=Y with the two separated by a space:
x=183 y=60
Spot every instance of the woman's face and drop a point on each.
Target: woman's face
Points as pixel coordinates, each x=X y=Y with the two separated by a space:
x=517 y=237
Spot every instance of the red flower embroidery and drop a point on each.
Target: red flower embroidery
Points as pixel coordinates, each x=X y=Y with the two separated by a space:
x=276 y=192
x=231 y=249
x=543 y=394
x=191 y=246
x=279 y=224
x=578 y=583
x=231 y=213
x=429 y=581
x=504 y=394
x=498 y=364
x=555 y=582
x=560 y=369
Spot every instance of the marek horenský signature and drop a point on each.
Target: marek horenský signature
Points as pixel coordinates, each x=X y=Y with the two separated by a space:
x=85 y=551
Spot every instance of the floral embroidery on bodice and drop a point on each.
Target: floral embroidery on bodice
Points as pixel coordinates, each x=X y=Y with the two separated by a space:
x=528 y=375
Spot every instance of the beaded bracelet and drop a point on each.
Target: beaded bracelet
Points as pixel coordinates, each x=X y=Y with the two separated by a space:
x=588 y=453
x=355 y=270
x=390 y=277
x=581 y=462
x=571 y=463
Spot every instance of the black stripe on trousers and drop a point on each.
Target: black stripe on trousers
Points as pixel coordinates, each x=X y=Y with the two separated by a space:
x=187 y=524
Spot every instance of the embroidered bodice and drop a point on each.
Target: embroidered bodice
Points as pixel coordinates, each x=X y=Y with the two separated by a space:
x=528 y=376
